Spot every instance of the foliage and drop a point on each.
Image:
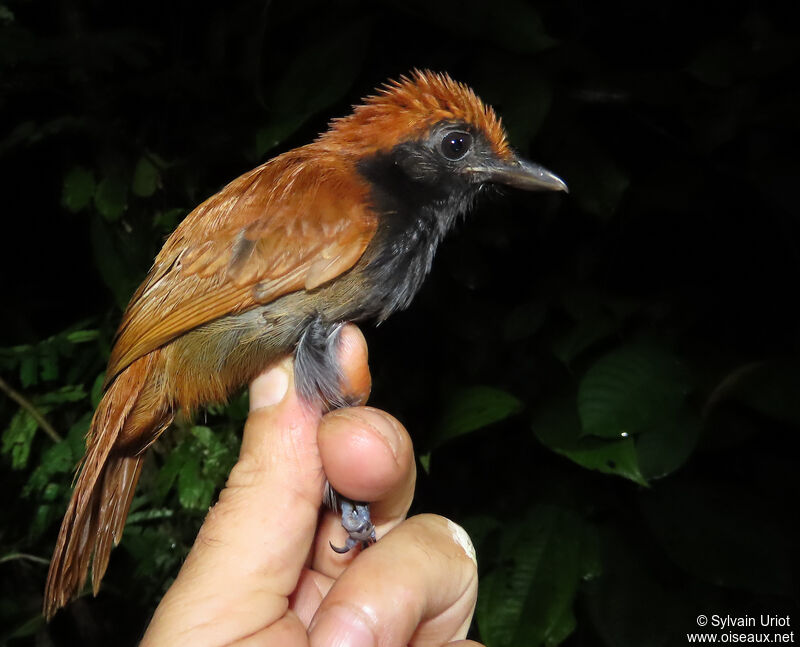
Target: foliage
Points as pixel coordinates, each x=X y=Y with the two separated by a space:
x=604 y=384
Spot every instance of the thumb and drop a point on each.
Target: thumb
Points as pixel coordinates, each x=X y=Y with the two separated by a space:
x=251 y=548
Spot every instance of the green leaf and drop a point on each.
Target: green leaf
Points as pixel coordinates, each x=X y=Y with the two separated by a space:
x=97 y=390
x=199 y=464
x=155 y=551
x=630 y=390
x=6 y=15
x=558 y=427
x=17 y=438
x=528 y=598
x=479 y=528
x=78 y=189
x=238 y=409
x=168 y=474
x=560 y=627
x=82 y=336
x=70 y=393
x=524 y=321
x=145 y=178
x=520 y=94
x=28 y=370
x=76 y=436
x=583 y=335
x=48 y=362
x=166 y=221
x=425 y=462
x=628 y=606
x=194 y=491
x=112 y=262
x=57 y=459
x=148 y=515
x=29 y=627
x=217 y=457
x=771 y=388
x=25 y=132
x=473 y=408
x=668 y=446
x=47 y=514
x=333 y=58
x=111 y=198
x=276 y=131
x=727 y=536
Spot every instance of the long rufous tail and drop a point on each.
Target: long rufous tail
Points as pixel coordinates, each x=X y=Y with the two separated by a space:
x=130 y=416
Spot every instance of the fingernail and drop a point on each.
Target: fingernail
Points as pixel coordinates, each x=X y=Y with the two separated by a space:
x=461 y=537
x=340 y=627
x=269 y=388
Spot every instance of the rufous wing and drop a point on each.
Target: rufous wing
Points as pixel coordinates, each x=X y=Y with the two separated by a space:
x=287 y=225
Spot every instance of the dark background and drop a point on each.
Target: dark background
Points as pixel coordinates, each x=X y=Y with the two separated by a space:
x=602 y=386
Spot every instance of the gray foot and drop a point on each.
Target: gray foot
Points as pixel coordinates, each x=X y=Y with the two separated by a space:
x=356 y=521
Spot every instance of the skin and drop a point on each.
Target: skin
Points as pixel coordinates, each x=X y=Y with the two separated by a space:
x=265 y=575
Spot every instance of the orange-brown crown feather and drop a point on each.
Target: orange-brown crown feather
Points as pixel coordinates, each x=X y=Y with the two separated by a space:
x=407 y=108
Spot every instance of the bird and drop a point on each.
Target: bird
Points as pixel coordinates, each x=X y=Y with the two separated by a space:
x=342 y=229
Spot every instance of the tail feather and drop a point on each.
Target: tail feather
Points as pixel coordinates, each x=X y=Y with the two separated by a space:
x=119 y=483
x=105 y=484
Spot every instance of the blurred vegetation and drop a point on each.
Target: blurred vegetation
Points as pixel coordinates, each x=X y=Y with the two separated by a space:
x=603 y=387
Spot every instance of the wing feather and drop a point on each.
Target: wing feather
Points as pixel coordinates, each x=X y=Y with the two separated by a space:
x=294 y=223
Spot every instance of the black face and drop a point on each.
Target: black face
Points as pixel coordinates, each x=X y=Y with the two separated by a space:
x=444 y=157
x=445 y=169
x=419 y=188
x=459 y=159
x=425 y=176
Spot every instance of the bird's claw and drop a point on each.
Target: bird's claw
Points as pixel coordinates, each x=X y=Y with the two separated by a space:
x=358 y=524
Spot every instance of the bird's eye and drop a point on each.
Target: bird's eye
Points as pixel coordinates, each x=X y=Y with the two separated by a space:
x=456 y=145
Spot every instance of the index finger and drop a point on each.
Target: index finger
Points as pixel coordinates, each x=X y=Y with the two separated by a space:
x=251 y=548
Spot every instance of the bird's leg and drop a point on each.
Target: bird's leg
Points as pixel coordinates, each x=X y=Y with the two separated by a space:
x=318 y=377
x=317 y=372
x=355 y=520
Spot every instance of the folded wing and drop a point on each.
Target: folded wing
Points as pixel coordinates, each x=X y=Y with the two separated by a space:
x=285 y=226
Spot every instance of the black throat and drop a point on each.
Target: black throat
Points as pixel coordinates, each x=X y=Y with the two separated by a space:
x=417 y=205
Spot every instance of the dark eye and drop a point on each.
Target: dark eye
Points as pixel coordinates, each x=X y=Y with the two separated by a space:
x=455 y=145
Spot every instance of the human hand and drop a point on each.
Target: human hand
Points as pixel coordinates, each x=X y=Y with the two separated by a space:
x=262 y=572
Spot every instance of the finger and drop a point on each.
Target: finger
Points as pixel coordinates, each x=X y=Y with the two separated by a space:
x=353 y=360
x=367 y=456
x=252 y=546
x=416 y=586
x=312 y=587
